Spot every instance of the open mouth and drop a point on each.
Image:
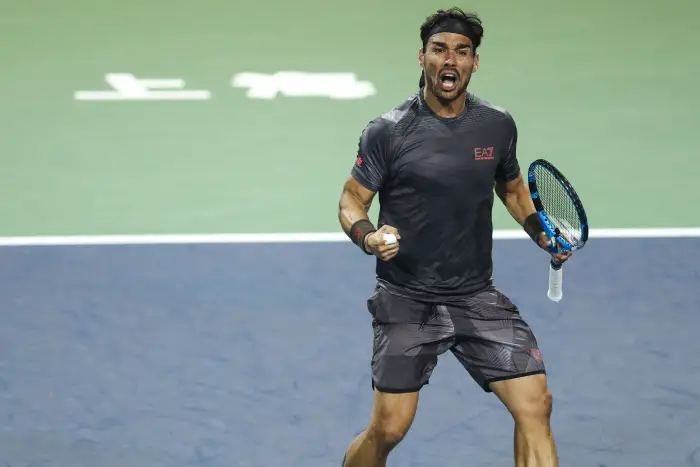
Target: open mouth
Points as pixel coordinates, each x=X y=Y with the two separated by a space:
x=448 y=80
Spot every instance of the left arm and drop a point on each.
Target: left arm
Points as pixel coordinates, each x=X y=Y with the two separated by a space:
x=510 y=184
x=515 y=196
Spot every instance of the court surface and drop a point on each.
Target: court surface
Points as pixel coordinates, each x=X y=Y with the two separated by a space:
x=174 y=286
x=258 y=355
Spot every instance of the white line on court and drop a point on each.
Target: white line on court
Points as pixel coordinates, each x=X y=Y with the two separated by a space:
x=299 y=237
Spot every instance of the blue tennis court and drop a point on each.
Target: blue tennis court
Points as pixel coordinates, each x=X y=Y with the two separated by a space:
x=220 y=355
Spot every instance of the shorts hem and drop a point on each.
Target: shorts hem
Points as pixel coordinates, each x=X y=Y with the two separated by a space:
x=397 y=391
x=486 y=386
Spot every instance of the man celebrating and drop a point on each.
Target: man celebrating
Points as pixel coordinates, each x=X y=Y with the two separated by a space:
x=436 y=161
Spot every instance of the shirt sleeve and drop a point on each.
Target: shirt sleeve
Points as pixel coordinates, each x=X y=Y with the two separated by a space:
x=508 y=167
x=372 y=163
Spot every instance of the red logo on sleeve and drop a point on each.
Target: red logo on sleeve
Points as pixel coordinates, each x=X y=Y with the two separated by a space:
x=359 y=160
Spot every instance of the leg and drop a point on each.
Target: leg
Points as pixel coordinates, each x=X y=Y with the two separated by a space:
x=408 y=337
x=392 y=416
x=500 y=351
x=530 y=403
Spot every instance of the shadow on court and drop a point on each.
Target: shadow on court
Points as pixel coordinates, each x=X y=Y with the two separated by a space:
x=258 y=355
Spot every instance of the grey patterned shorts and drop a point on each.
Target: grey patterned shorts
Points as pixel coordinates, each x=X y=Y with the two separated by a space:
x=484 y=331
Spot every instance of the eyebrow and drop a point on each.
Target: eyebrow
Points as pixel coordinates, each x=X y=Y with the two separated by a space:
x=461 y=45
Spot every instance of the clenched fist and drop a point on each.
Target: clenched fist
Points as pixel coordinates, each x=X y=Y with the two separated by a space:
x=381 y=247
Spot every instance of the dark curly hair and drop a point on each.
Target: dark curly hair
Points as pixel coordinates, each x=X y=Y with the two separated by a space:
x=471 y=21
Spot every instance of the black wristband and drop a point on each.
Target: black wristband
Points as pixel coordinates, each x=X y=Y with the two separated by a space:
x=359 y=231
x=533 y=226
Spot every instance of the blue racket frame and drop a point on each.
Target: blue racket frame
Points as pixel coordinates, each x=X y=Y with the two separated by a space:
x=550 y=229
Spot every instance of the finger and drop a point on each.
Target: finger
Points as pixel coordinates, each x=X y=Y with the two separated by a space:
x=385 y=254
x=560 y=258
x=374 y=239
x=389 y=247
x=390 y=229
x=388 y=256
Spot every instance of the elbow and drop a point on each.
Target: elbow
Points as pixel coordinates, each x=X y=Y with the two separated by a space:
x=502 y=194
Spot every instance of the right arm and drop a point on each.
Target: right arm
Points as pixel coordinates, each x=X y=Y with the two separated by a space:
x=367 y=176
x=355 y=201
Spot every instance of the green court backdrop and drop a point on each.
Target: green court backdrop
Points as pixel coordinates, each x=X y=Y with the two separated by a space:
x=606 y=91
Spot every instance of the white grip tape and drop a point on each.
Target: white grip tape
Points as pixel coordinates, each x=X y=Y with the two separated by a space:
x=389 y=238
x=555 y=281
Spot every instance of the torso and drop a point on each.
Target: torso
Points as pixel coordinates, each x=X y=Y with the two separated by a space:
x=437 y=190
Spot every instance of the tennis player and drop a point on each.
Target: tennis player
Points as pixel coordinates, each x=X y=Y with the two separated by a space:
x=436 y=161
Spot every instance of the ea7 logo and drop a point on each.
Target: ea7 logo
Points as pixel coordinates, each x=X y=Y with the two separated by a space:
x=483 y=154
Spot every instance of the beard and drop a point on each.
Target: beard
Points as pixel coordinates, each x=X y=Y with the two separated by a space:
x=446 y=93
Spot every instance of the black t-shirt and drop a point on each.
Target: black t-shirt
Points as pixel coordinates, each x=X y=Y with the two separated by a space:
x=435 y=181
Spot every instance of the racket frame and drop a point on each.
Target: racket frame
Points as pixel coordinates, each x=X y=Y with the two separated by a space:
x=550 y=229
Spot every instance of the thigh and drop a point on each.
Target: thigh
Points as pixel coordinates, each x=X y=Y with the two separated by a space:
x=493 y=341
x=393 y=413
x=408 y=338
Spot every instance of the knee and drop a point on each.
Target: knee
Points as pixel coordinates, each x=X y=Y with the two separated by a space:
x=537 y=407
x=387 y=435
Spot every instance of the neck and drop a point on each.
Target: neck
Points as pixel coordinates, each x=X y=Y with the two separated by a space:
x=443 y=108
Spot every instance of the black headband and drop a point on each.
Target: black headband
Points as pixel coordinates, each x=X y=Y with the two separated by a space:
x=450 y=25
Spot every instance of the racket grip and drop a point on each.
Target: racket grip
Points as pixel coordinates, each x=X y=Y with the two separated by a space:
x=555 y=282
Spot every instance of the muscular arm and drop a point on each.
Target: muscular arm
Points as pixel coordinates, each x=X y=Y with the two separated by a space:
x=355 y=201
x=367 y=176
x=513 y=191
x=515 y=195
x=511 y=187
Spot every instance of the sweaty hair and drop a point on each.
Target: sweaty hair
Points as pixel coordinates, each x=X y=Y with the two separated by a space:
x=470 y=23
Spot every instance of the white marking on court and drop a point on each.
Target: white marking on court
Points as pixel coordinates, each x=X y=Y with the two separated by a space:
x=303 y=84
x=126 y=87
x=331 y=237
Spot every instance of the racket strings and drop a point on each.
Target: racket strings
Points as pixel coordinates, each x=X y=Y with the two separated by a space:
x=559 y=206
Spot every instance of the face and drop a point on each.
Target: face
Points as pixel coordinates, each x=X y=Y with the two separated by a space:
x=448 y=62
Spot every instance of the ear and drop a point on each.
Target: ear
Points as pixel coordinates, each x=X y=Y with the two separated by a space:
x=476 y=63
x=421 y=58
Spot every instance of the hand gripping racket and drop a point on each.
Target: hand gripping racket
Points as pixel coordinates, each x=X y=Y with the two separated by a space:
x=562 y=216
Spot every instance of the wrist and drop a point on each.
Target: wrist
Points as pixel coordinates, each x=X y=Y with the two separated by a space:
x=364 y=245
x=358 y=234
x=533 y=227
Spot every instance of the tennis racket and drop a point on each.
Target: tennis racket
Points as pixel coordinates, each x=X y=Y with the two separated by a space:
x=562 y=216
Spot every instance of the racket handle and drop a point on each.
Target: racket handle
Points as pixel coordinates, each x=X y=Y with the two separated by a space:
x=555 y=281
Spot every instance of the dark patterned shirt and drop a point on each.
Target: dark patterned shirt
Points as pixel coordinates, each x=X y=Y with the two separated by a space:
x=435 y=182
